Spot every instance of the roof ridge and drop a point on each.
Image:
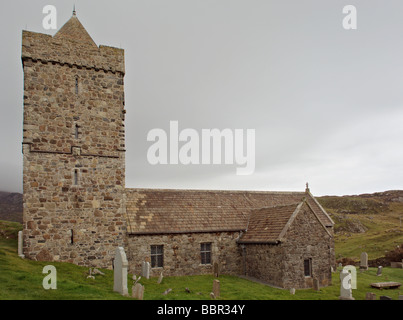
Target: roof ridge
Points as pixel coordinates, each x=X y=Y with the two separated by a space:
x=213 y=190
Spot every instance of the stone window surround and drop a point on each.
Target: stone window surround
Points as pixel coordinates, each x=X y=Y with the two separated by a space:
x=205 y=255
x=309 y=261
x=159 y=253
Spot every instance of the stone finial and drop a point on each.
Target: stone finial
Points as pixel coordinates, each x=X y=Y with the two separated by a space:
x=307 y=187
x=74 y=10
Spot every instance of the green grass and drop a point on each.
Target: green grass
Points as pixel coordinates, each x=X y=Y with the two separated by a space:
x=21 y=279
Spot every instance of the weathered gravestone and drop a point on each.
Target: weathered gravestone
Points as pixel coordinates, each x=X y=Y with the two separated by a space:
x=216 y=288
x=215 y=269
x=385 y=298
x=400 y=297
x=20 y=241
x=316 y=285
x=292 y=291
x=364 y=261
x=145 y=270
x=160 y=278
x=370 y=296
x=379 y=272
x=138 y=291
x=120 y=265
x=345 y=286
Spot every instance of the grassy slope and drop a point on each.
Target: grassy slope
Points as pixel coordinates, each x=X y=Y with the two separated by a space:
x=22 y=279
x=380 y=222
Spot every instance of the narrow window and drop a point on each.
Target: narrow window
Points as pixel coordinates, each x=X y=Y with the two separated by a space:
x=76 y=85
x=76 y=131
x=71 y=236
x=157 y=256
x=308 y=267
x=205 y=252
x=75 y=177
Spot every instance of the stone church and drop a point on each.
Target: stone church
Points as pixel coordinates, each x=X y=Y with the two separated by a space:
x=76 y=206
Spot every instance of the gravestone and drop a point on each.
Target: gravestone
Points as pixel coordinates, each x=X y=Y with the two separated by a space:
x=292 y=291
x=316 y=284
x=160 y=278
x=138 y=291
x=345 y=286
x=379 y=272
x=385 y=298
x=120 y=265
x=364 y=261
x=145 y=270
x=400 y=297
x=20 y=241
x=216 y=288
x=215 y=269
x=370 y=296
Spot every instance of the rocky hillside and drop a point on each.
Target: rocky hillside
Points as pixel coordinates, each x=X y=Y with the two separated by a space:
x=11 y=206
x=366 y=222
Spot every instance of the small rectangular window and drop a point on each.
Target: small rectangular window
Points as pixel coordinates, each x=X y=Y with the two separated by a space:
x=205 y=253
x=308 y=267
x=76 y=131
x=76 y=85
x=75 y=177
x=157 y=256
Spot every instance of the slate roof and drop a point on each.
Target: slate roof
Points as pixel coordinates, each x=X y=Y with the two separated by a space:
x=164 y=211
x=266 y=225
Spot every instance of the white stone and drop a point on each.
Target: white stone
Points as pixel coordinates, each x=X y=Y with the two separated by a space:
x=20 y=242
x=345 y=286
x=120 y=266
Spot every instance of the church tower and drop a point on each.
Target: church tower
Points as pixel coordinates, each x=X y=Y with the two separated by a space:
x=73 y=147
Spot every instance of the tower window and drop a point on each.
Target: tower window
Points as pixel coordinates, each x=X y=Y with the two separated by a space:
x=76 y=79
x=71 y=236
x=75 y=177
x=76 y=131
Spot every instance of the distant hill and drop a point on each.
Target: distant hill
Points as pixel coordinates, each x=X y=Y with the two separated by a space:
x=367 y=222
x=11 y=206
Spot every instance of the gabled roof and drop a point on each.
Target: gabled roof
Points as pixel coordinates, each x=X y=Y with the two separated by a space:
x=266 y=225
x=74 y=31
x=163 y=211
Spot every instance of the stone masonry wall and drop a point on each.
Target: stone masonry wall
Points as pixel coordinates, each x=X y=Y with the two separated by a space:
x=182 y=253
x=73 y=146
x=307 y=239
x=282 y=265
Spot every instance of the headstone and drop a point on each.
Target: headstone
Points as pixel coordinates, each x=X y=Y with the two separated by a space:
x=138 y=291
x=212 y=295
x=370 y=296
x=120 y=272
x=400 y=297
x=292 y=291
x=216 y=288
x=345 y=286
x=160 y=278
x=385 y=298
x=96 y=271
x=145 y=270
x=167 y=291
x=316 y=284
x=379 y=272
x=20 y=243
x=364 y=261
x=215 y=269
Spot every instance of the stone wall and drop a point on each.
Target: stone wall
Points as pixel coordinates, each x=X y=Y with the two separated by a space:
x=282 y=264
x=73 y=149
x=182 y=253
x=307 y=239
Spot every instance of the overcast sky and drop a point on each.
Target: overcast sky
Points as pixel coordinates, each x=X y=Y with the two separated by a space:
x=326 y=103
